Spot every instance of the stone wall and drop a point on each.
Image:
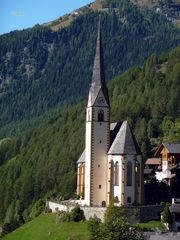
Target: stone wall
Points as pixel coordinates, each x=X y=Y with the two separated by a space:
x=91 y=211
x=134 y=214
x=162 y=236
x=54 y=207
x=143 y=213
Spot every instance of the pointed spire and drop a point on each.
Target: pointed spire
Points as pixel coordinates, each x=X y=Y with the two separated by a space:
x=98 y=76
x=98 y=69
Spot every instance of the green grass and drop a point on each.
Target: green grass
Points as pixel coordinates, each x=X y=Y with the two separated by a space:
x=46 y=227
x=150 y=226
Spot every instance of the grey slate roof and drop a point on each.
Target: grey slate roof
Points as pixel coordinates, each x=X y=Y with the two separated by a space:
x=82 y=158
x=98 y=77
x=172 y=147
x=125 y=142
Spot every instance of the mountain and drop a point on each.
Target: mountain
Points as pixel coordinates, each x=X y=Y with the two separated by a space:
x=41 y=69
x=169 y=8
x=41 y=162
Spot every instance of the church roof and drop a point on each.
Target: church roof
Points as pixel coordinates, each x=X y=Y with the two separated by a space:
x=98 y=77
x=125 y=142
x=82 y=158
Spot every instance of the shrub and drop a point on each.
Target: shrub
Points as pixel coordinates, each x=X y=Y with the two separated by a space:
x=166 y=216
x=94 y=226
x=77 y=214
x=64 y=216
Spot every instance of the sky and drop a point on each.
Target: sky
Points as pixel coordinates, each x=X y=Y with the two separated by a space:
x=21 y=14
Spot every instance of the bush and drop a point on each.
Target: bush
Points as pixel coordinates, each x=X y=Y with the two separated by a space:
x=64 y=216
x=114 y=228
x=77 y=214
x=166 y=216
x=94 y=226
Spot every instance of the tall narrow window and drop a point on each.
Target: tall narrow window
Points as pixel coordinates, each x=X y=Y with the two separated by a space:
x=116 y=174
x=100 y=116
x=112 y=173
x=129 y=174
x=89 y=116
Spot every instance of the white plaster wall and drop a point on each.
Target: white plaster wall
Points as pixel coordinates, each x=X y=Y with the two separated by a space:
x=88 y=163
x=164 y=169
x=117 y=191
x=159 y=176
x=56 y=206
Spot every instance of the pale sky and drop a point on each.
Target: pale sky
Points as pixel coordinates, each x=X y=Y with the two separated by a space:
x=21 y=14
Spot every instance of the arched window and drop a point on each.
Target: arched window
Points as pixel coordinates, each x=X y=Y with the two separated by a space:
x=116 y=174
x=100 y=116
x=138 y=173
x=89 y=116
x=129 y=174
x=112 y=173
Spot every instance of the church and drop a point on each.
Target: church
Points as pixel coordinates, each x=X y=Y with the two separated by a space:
x=111 y=164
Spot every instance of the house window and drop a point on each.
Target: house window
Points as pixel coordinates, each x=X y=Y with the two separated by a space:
x=100 y=116
x=129 y=174
x=116 y=174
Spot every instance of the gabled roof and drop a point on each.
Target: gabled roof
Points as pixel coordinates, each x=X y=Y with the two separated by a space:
x=82 y=158
x=98 y=77
x=125 y=142
x=171 y=148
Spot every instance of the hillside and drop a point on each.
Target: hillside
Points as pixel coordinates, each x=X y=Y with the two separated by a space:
x=41 y=69
x=47 y=227
x=41 y=162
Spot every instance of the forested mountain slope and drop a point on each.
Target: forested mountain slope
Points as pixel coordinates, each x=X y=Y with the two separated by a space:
x=41 y=69
x=42 y=161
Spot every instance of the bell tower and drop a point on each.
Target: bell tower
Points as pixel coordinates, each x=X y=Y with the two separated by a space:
x=97 y=133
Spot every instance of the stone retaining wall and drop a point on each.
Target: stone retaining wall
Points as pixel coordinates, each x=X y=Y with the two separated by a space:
x=162 y=236
x=91 y=211
x=134 y=214
x=143 y=213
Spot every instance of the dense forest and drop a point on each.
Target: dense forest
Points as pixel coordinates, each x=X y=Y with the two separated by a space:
x=41 y=162
x=41 y=69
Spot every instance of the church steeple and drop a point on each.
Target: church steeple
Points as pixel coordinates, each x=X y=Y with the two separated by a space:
x=98 y=76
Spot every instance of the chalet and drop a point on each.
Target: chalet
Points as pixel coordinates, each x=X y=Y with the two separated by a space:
x=166 y=162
